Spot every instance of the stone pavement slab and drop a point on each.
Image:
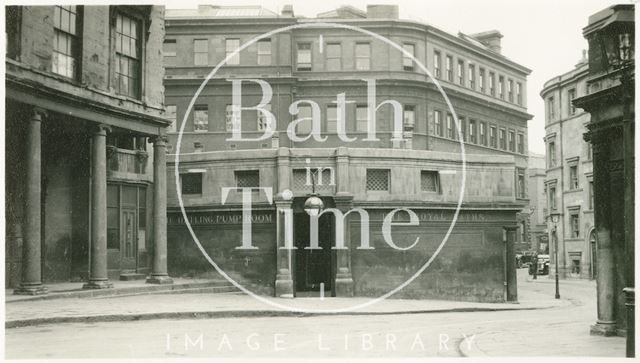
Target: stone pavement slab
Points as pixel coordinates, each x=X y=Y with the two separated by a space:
x=206 y=305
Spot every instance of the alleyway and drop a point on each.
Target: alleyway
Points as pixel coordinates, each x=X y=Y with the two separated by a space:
x=562 y=330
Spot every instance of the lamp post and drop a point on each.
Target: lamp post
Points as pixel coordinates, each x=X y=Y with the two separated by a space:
x=554 y=219
x=313 y=205
x=617 y=44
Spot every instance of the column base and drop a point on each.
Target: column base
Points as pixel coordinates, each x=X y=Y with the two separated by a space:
x=604 y=328
x=31 y=290
x=284 y=285
x=344 y=285
x=160 y=280
x=95 y=285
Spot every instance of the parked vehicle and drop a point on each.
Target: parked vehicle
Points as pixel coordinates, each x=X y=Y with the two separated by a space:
x=542 y=265
x=524 y=258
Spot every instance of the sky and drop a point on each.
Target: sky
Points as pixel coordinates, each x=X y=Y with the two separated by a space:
x=543 y=35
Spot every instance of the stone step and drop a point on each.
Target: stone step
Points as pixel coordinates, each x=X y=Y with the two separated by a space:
x=187 y=287
x=132 y=276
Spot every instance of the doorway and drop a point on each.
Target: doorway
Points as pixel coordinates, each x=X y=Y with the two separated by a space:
x=314 y=269
x=126 y=230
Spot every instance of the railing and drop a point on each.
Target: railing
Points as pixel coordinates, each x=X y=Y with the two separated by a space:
x=127 y=161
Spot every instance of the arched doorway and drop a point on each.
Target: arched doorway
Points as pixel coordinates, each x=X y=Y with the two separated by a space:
x=593 y=247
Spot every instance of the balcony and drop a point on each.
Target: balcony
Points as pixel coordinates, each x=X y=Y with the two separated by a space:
x=127 y=164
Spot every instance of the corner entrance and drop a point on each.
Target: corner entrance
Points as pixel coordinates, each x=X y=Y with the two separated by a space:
x=314 y=269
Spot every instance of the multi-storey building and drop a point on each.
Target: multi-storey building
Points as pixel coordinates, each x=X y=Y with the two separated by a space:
x=85 y=193
x=569 y=174
x=537 y=223
x=610 y=100
x=423 y=171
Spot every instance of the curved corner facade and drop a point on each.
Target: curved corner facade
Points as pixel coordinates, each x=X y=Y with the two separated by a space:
x=423 y=172
x=569 y=174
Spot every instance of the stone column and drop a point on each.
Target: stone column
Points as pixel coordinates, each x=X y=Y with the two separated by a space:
x=605 y=278
x=511 y=272
x=159 y=274
x=98 y=278
x=344 y=279
x=284 y=256
x=344 y=202
x=284 y=227
x=31 y=281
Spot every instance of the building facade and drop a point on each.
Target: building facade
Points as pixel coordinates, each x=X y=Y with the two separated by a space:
x=569 y=174
x=610 y=102
x=537 y=223
x=85 y=191
x=422 y=170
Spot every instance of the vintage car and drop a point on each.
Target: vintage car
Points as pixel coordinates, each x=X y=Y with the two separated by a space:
x=523 y=258
x=542 y=266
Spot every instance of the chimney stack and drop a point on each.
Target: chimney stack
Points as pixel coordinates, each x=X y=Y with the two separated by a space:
x=287 y=11
x=490 y=39
x=382 y=11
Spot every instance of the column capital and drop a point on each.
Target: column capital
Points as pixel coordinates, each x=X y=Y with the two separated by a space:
x=38 y=114
x=159 y=140
x=100 y=129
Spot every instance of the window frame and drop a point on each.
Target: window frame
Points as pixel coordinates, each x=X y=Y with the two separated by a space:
x=482 y=133
x=298 y=67
x=358 y=58
x=200 y=53
x=138 y=62
x=405 y=59
x=520 y=142
x=196 y=109
x=450 y=127
x=388 y=177
x=460 y=71
x=473 y=131
x=328 y=58
x=238 y=174
x=169 y=58
x=235 y=60
x=182 y=184
x=73 y=35
x=261 y=53
x=437 y=181
x=437 y=64
x=437 y=123
x=493 y=136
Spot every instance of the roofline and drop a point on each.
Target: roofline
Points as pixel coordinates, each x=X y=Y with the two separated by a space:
x=581 y=71
x=427 y=28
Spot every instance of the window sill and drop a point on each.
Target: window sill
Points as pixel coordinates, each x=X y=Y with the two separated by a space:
x=573 y=190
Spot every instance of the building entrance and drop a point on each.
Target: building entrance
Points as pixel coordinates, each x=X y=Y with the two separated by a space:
x=314 y=269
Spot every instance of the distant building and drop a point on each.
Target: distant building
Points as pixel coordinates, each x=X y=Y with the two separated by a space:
x=421 y=172
x=569 y=175
x=610 y=100
x=537 y=231
x=85 y=192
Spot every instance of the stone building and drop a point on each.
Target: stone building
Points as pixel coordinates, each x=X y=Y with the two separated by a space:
x=569 y=174
x=85 y=192
x=610 y=100
x=422 y=170
x=537 y=223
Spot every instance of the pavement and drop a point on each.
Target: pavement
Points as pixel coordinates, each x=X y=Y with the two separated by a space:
x=64 y=290
x=166 y=325
x=148 y=305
